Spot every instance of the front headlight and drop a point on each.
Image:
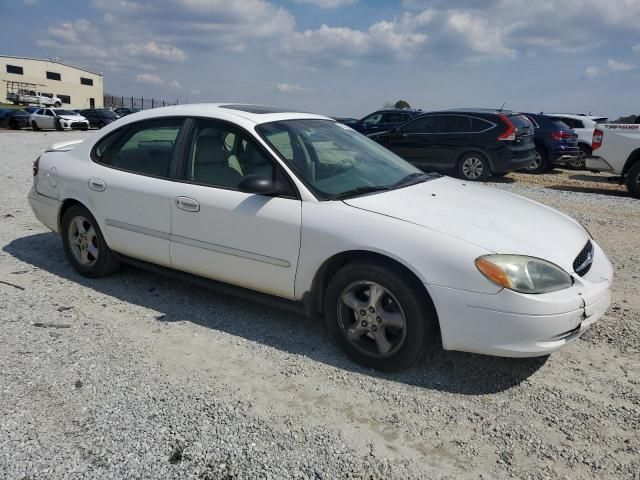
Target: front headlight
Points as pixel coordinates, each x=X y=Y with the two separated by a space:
x=523 y=274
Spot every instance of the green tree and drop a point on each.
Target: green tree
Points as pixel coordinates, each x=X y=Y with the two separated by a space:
x=402 y=104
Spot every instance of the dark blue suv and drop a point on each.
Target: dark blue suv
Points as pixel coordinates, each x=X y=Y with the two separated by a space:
x=556 y=143
x=383 y=120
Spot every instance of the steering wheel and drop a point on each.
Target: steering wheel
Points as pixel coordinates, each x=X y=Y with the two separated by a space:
x=341 y=166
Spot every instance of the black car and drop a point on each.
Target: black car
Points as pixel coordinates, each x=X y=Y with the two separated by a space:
x=470 y=144
x=382 y=120
x=98 y=117
x=556 y=143
x=14 y=119
x=122 y=111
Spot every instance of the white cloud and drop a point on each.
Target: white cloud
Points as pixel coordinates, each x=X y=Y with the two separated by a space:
x=592 y=72
x=617 y=66
x=150 y=78
x=157 y=51
x=328 y=3
x=289 y=88
x=175 y=84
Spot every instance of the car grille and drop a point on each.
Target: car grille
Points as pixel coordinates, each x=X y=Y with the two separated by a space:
x=584 y=260
x=77 y=125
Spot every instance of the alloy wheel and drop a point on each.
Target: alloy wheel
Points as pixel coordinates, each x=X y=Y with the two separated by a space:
x=83 y=241
x=472 y=168
x=371 y=319
x=536 y=162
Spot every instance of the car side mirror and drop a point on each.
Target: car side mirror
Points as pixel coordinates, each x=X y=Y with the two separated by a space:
x=259 y=185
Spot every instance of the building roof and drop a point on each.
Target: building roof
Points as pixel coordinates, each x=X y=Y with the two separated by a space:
x=51 y=61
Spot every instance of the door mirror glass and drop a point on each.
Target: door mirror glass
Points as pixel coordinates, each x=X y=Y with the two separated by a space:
x=258 y=184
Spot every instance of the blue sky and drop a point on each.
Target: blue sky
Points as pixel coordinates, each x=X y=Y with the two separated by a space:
x=346 y=57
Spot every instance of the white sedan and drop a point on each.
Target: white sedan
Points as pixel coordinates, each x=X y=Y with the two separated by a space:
x=294 y=207
x=58 y=118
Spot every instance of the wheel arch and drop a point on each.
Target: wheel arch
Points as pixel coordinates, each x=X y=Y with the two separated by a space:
x=66 y=204
x=631 y=161
x=315 y=298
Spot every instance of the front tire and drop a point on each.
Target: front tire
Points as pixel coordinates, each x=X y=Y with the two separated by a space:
x=58 y=125
x=57 y=104
x=13 y=125
x=633 y=180
x=378 y=316
x=84 y=246
x=473 y=167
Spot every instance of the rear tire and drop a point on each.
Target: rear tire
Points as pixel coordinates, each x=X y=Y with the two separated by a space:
x=378 y=316
x=84 y=246
x=633 y=180
x=13 y=125
x=473 y=167
x=34 y=125
x=542 y=162
x=57 y=104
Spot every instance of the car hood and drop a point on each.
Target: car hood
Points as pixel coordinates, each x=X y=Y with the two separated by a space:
x=496 y=220
x=73 y=118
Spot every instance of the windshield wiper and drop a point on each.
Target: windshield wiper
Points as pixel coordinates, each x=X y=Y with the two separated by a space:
x=354 y=192
x=412 y=179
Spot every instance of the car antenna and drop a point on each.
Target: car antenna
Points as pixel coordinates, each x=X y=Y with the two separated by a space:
x=502 y=107
x=590 y=111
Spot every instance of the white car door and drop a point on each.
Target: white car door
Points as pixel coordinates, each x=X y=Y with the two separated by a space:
x=220 y=232
x=130 y=187
x=48 y=119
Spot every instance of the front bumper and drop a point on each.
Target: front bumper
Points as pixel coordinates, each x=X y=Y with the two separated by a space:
x=512 y=324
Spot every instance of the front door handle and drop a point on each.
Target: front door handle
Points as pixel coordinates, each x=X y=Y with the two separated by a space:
x=187 y=204
x=97 y=184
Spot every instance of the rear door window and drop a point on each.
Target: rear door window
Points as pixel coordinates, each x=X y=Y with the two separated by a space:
x=145 y=148
x=428 y=124
x=455 y=124
x=560 y=125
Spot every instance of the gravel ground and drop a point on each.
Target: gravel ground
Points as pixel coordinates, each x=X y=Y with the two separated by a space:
x=141 y=376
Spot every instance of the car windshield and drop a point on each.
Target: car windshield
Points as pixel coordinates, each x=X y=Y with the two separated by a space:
x=64 y=112
x=107 y=114
x=335 y=161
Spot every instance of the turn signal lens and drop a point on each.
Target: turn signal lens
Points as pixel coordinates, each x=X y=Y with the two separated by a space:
x=493 y=272
x=523 y=274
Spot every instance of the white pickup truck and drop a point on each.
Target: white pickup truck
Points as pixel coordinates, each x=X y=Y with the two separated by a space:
x=28 y=97
x=616 y=149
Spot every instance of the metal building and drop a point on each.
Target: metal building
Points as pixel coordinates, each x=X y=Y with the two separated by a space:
x=76 y=87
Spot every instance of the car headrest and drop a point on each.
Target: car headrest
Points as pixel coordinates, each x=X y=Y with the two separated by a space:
x=210 y=151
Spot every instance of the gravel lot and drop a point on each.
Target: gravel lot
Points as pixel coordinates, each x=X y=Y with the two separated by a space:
x=141 y=376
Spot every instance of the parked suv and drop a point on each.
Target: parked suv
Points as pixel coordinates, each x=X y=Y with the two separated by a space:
x=584 y=125
x=383 y=120
x=471 y=144
x=556 y=144
x=98 y=117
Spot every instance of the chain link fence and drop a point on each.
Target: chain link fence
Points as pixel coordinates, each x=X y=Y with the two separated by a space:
x=114 y=101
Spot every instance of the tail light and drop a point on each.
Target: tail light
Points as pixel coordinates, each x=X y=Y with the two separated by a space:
x=561 y=135
x=597 y=139
x=510 y=133
x=35 y=166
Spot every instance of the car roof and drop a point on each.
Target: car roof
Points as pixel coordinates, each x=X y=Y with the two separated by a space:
x=255 y=114
x=478 y=110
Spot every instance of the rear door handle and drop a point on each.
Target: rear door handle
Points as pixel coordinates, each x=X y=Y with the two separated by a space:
x=187 y=204
x=97 y=184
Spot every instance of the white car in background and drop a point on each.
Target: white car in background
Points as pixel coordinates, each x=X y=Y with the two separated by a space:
x=584 y=126
x=297 y=208
x=57 y=118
